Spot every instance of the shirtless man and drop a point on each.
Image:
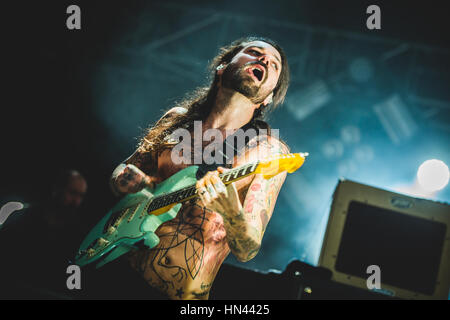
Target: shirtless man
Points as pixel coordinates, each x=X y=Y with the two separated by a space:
x=224 y=219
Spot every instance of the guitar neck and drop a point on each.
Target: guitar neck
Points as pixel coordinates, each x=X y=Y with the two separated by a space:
x=190 y=192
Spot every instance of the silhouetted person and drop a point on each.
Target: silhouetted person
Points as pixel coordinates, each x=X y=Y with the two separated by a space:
x=37 y=243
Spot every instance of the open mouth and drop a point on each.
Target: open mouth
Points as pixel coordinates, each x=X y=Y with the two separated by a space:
x=256 y=71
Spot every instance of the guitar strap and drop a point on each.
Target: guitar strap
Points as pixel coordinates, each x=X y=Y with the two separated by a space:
x=229 y=144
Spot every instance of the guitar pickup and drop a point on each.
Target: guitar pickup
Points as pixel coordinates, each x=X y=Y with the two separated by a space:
x=95 y=246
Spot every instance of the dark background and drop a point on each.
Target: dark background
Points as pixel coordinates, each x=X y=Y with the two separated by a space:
x=80 y=98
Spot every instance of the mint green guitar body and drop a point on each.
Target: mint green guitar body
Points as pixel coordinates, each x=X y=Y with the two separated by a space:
x=133 y=221
x=129 y=224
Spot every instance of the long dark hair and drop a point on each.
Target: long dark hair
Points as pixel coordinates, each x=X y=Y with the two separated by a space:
x=198 y=104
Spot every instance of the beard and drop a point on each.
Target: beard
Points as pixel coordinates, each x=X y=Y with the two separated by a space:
x=237 y=79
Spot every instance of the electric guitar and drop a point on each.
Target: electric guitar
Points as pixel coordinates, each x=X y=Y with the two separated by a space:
x=133 y=221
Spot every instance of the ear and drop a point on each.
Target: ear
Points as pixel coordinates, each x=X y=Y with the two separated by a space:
x=268 y=100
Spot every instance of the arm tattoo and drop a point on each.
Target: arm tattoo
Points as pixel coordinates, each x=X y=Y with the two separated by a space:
x=130 y=176
x=185 y=234
x=245 y=230
x=241 y=237
x=128 y=179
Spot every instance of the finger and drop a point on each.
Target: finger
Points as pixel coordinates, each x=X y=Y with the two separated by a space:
x=209 y=185
x=212 y=193
x=202 y=192
x=217 y=182
x=201 y=195
x=222 y=170
x=218 y=185
x=232 y=191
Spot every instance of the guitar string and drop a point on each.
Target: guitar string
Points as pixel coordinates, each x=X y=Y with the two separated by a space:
x=175 y=196
x=188 y=191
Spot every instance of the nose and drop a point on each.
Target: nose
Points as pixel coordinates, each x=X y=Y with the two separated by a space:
x=264 y=59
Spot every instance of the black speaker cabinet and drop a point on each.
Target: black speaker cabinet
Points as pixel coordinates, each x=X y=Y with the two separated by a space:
x=406 y=238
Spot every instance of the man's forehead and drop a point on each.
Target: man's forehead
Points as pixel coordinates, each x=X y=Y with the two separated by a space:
x=263 y=45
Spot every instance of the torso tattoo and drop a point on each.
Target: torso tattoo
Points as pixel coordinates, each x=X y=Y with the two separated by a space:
x=192 y=246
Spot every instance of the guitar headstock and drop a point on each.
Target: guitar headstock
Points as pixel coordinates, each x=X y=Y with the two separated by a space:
x=283 y=162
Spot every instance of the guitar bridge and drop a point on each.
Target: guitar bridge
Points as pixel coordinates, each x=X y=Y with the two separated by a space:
x=96 y=245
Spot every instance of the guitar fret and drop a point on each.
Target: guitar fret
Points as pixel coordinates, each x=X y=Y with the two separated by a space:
x=177 y=196
x=187 y=192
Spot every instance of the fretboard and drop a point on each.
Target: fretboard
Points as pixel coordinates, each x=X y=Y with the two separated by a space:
x=190 y=192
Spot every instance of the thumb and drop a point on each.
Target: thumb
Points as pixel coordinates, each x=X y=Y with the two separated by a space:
x=222 y=170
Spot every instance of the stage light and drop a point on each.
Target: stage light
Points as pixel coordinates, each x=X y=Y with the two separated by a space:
x=433 y=175
x=350 y=134
x=333 y=149
x=396 y=119
x=9 y=208
x=304 y=102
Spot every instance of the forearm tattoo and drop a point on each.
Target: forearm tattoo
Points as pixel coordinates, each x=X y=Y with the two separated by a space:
x=130 y=177
x=245 y=230
x=241 y=236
